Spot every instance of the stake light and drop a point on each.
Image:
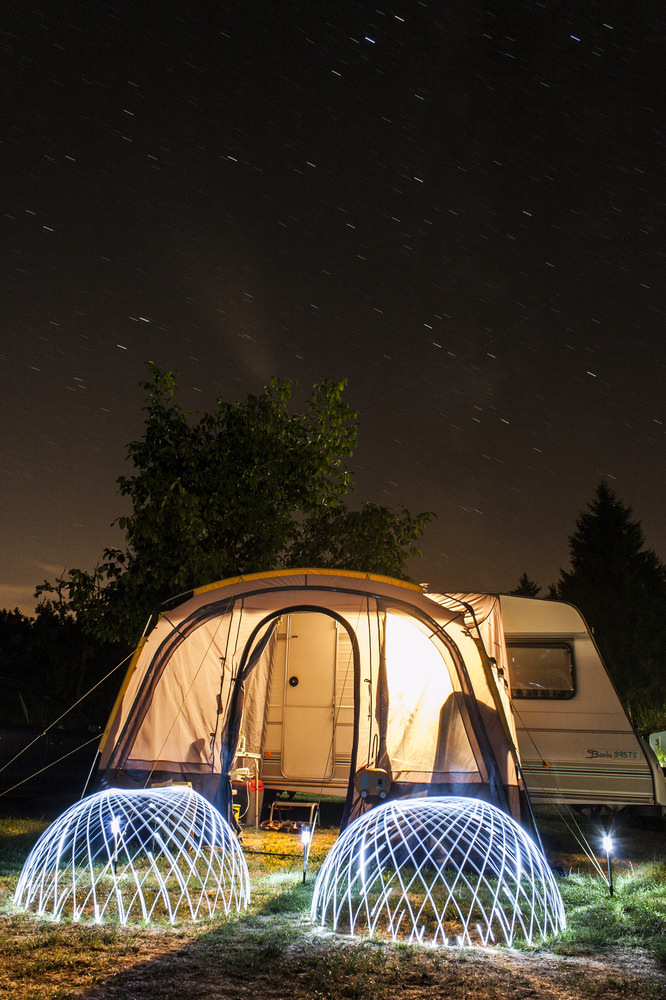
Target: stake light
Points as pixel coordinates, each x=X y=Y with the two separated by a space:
x=306 y=838
x=608 y=848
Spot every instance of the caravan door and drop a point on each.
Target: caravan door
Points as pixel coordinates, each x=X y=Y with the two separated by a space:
x=309 y=697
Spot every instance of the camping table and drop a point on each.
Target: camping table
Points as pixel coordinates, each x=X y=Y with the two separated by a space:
x=280 y=806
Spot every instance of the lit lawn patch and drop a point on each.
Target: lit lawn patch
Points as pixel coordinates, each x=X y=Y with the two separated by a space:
x=634 y=917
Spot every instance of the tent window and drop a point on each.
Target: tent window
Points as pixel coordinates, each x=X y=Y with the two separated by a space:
x=541 y=670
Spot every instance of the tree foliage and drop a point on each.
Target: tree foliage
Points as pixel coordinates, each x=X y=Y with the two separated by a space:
x=375 y=539
x=246 y=487
x=620 y=586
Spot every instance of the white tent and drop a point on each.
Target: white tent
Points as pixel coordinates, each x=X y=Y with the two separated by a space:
x=388 y=691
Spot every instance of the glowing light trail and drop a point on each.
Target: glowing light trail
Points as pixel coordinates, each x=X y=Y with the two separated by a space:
x=162 y=853
x=438 y=871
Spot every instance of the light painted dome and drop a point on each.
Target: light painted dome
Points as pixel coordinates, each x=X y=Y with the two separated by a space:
x=444 y=871
x=157 y=853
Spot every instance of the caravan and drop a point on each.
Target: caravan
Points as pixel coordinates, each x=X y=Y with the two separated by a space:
x=350 y=684
x=575 y=740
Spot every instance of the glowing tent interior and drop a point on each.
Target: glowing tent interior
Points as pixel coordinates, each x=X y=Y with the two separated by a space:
x=384 y=691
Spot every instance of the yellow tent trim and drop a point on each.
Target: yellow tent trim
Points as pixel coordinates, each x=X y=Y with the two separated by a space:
x=353 y=574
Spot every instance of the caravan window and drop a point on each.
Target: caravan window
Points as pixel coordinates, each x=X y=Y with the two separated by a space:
x=541 y=670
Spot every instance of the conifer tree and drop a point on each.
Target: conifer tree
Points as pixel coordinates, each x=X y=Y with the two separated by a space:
x=526 y=587
x=620 y=586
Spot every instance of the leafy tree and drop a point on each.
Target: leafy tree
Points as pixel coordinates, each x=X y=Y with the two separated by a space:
x=620 y=586
x=375 y=539
x=526 y=587
x=247 y=487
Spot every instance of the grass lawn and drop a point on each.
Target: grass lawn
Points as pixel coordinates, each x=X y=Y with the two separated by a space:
x=612 y=947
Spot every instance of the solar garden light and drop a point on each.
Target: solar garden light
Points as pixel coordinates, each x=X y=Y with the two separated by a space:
x=608 y=847
x=115 y=833
x=306 y=838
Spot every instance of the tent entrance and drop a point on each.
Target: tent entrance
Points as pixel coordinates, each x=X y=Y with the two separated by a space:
x=309 y=726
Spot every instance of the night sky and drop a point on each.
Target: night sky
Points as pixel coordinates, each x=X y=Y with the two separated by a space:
x=456 y=206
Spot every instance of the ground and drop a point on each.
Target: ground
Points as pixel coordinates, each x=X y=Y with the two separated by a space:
x=274 y=952
x=161 y=967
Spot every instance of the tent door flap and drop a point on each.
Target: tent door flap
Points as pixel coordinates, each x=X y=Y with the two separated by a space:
x=309 y=697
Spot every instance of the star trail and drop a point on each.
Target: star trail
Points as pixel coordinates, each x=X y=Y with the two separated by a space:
x=457 y=207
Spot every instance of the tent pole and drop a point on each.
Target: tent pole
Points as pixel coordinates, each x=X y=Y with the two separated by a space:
x=519 y=769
